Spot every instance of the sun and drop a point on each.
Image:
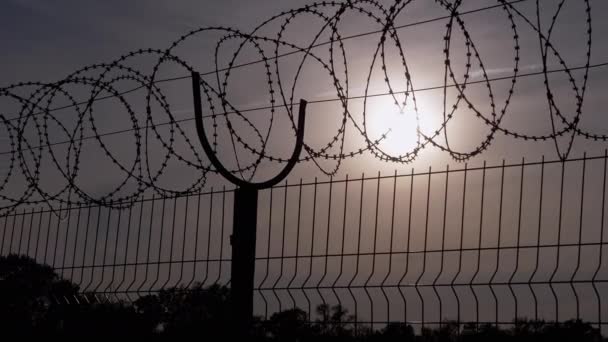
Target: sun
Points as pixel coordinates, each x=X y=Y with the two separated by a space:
x=400 y=127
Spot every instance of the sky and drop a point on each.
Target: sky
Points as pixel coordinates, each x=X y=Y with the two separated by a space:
x=44 y=41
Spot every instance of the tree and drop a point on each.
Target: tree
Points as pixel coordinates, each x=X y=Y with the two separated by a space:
x=334 y=321
x=181 y=311
x=27 y=292
x=289 y=325
x=33 y=302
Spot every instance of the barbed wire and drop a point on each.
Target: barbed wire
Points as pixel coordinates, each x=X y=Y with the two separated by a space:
x=282 y=55
x=37 y=130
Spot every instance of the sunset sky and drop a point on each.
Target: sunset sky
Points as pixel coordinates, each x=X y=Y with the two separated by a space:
x=46 y=42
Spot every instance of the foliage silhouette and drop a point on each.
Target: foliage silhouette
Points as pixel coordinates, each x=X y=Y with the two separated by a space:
x=180 y=311
x=33 y=303
x=27 y=293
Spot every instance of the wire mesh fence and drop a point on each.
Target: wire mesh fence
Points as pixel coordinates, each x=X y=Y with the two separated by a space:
x=488 y=244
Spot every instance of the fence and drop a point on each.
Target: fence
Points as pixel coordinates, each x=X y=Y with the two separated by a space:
x=487 y=244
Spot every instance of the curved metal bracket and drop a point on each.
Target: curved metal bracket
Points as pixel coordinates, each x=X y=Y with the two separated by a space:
x=198 y=115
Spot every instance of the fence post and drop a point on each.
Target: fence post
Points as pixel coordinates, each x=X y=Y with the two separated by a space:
x=243 y=242
x=245 y=216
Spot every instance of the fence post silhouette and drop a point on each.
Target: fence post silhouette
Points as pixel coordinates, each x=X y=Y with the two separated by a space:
x=244 y=229
x=243 y=242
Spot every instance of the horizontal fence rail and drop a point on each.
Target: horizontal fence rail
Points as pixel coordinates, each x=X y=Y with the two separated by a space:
x=488 y=244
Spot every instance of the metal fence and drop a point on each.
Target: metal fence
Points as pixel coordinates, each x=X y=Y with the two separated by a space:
x=487 y=244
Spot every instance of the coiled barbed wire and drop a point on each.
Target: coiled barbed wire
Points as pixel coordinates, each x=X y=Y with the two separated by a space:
x=32 y=133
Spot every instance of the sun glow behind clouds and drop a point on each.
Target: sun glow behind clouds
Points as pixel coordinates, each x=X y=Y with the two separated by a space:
x=400 y=127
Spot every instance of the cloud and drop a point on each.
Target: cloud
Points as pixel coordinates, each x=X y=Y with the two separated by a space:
x=504 y=71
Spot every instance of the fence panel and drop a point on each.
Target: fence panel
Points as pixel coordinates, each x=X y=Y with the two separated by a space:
x=488 y=244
